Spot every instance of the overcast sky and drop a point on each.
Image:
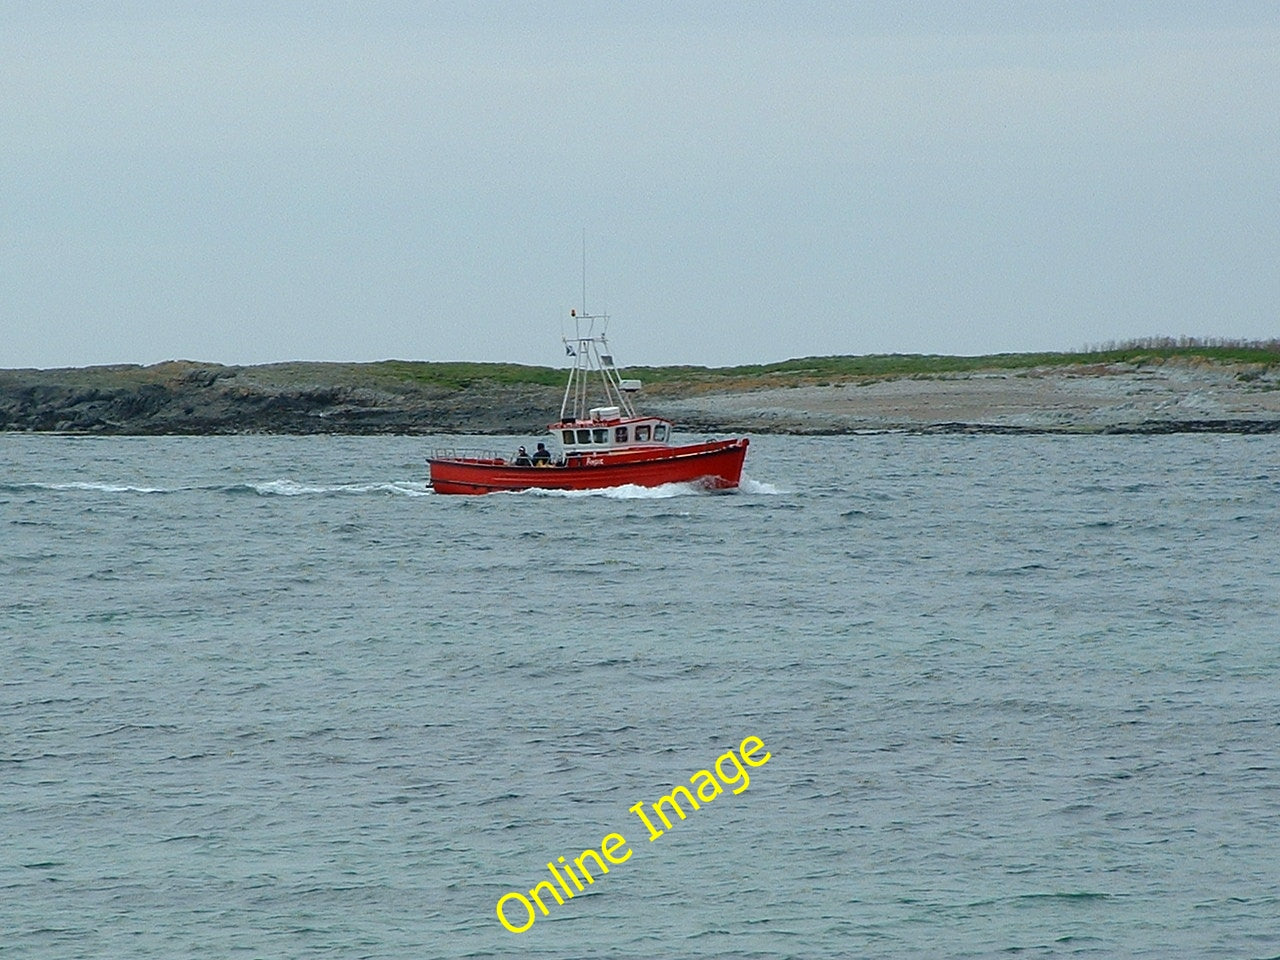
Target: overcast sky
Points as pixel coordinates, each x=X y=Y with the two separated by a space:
x=755 y=181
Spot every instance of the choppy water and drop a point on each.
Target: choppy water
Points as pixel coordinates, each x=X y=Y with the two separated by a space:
x=270 y=697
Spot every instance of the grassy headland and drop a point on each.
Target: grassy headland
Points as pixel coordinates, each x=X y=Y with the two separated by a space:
x=1260 y=354
x=401 y=396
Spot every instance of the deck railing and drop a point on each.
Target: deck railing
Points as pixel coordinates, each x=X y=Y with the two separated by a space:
x=465 y=453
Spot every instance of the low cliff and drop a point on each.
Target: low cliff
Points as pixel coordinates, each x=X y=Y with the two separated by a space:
x=182 y=397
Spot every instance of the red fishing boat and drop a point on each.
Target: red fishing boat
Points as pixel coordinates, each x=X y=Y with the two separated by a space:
x=596 y=446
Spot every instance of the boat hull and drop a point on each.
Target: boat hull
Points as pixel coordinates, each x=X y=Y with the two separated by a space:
x=716 y=464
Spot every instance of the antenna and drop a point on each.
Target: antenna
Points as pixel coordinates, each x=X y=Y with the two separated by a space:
x=584 y=271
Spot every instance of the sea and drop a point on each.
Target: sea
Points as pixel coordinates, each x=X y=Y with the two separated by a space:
x=1015 y=696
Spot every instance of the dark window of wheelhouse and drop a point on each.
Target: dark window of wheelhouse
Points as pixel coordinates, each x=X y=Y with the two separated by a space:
x=568 y=437
x=600 y=435
x=642 y=433
x=620 y=435
x=584 y=436
x=660 y=431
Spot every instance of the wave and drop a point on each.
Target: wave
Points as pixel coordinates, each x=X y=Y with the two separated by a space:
x=628 y=491
x=759 y=488
x=285 y=487
x=631 y=491
x=83 y=485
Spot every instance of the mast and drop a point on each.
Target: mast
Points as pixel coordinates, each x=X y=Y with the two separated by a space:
x=592 y=366
x=592 y=360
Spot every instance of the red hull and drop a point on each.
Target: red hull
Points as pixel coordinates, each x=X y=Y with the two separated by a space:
x=717 y=464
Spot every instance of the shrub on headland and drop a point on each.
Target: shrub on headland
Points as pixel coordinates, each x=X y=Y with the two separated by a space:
x=1185 y=343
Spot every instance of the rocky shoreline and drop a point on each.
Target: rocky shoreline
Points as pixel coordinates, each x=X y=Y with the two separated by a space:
x=1121 y=398
x=182 y=397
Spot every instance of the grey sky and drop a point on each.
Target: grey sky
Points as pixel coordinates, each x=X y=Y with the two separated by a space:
x=756 y=181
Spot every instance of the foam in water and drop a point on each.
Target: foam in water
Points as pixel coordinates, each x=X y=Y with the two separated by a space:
x=627 y=491
x=93 y=487
x=760 y=488
x=631 y=491
x=285 y=487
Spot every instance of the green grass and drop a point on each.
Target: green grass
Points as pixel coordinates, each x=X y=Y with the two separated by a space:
x=459 y=375
x=915 y=364
x=411 y=375
x=839 y=369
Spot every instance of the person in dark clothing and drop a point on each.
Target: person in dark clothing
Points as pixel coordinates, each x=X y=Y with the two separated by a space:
x=522 y=458
x=541 y=456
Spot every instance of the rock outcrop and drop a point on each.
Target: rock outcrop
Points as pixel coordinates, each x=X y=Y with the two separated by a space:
x=189 y=398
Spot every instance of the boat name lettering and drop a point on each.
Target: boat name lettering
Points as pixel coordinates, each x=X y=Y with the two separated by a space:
x=516 y=911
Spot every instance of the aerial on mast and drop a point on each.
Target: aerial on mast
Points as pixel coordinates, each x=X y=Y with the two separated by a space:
x=592 y=364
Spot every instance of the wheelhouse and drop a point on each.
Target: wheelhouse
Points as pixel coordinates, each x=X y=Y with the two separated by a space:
x=605 y=430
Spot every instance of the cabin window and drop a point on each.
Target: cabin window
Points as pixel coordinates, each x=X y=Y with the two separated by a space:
x=620 y=435
x=568 y=437
x=600 y=435
x=660 y=431
x=642 y=433
x=584 y=436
